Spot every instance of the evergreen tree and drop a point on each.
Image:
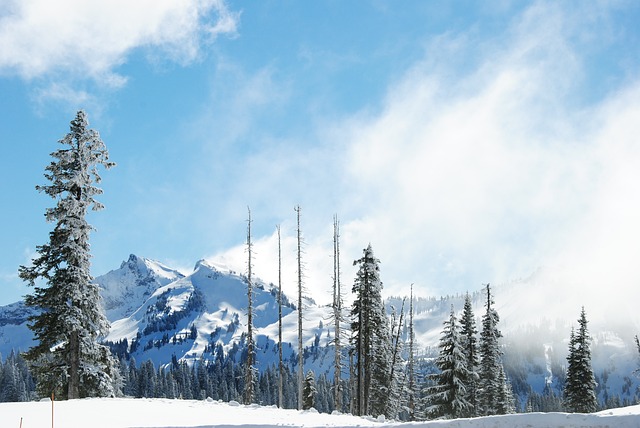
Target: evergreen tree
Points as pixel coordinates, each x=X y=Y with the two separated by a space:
x=469 y=344
x=370 y=339
x=490 y=386
x=506 y=401
x=580 y=387
x=309 y=391
x=68 y=358
x=448 y=397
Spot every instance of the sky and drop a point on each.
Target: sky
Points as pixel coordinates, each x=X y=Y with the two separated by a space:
x=467 y=142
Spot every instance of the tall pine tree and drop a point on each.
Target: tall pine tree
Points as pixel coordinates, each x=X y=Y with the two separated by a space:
x=370 y=339
x=68 y=359
x=469 y=342
x=579 y=390
x=490 y=386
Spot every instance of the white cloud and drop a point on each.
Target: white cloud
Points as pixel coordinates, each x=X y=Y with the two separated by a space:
x=484 y=176
x=481 y=175
x=91 y=39
x=461 y=176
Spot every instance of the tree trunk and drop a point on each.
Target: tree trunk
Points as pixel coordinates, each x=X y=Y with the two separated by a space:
x=280 y=364
x=74 y=366
x=300 y=350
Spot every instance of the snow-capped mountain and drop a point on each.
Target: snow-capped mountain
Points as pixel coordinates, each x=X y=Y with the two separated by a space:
x=124 y=290
x=189 y=318
x=160 y=314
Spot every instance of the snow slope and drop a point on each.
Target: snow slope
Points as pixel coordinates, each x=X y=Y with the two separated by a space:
x=162 y=413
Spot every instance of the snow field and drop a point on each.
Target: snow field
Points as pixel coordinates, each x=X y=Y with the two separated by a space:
x=163 y=413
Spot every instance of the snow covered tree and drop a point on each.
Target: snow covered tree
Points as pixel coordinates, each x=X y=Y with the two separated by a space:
x=490 y=386
x=370 y=339
x=68 y=359
x=448 y=397
x=469 y=344
x=506 y=401
x=309 y=391
x=580 y=387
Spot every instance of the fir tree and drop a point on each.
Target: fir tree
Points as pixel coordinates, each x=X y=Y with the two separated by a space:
x=580 y=387
x=370 y=339
x=68 y=359
x=506 y=401
x=309 y=391
x=448 y=397
x=469 y=344
x=490 y=386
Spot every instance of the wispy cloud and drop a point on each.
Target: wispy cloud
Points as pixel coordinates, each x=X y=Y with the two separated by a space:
x=81 y=40
x=484 y=172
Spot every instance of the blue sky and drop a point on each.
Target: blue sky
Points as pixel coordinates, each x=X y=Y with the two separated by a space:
x=468 y=142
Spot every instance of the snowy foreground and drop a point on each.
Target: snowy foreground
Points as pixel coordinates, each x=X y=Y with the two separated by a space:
x=162 y=413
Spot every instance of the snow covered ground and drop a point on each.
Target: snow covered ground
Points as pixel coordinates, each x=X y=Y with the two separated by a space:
x=162 y=413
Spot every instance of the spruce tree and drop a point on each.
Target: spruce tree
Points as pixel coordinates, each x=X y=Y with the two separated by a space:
x=580 y=387
x=309 y=391
x=448 y=397
x=68 y=358
x=469 y=342
x=490 y=386
x=370 y=338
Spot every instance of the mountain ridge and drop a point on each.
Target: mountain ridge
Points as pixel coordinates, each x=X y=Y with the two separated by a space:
x=162 y=315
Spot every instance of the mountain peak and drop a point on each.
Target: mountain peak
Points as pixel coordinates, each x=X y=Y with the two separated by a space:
x=125 y=289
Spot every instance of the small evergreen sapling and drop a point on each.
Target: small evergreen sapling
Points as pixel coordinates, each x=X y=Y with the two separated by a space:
x=309 y=391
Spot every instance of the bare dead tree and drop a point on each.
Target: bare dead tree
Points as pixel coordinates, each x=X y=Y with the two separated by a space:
x=300 y=350
x=337 y=314
x=410 y=364
x=249 y=373
x=280 y=365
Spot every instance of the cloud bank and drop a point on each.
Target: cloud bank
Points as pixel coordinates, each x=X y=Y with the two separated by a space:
x=90 y=40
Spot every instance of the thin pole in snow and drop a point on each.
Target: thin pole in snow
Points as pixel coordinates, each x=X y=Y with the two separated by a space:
x=52 y=400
